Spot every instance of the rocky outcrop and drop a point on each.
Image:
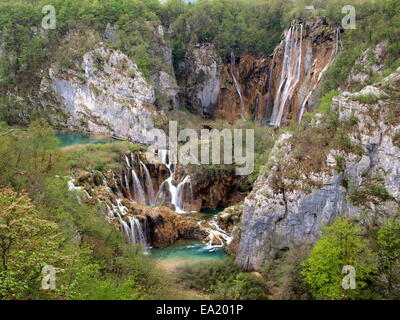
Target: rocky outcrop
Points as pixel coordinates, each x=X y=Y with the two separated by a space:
x=218 y=189
x=200 y=79
x=370 y=63
x=252 y=74
x=166 y=227
x=103 y=92
x=163 y=74
x=229 y=220
x=287 y=210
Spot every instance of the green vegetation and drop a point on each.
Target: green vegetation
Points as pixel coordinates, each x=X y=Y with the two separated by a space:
x=371 y=192
x=101 y=157
x=340 y=245
x=388 y=240
x=41 y=222
x=326 y=102
x=223 y=279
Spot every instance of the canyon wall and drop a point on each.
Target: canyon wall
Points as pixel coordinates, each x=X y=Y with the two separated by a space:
x=285 y=210
x=271 y=90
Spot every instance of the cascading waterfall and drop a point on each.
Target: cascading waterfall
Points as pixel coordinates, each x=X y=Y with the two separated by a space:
x=133 y=230
x=334 y=53
x=72 y=187
x=138 y=190
x=136 y=233
x=290 y=74
x=149 y=185
x=176 y=192
x=217 y=234
x=236 y=84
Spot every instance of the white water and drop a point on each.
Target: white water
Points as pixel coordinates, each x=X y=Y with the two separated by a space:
x=334 y=53
x=138 y=190
x=127 y=186
x=136 y=233
x=176 y=192
x=290 y=73
x=217 y=234
x=236 y=84
x=149 y=185
x=133 y=230
x=72 y=187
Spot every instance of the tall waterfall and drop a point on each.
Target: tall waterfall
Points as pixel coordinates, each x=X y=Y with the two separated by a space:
x=236 y=84
x=291 y=72
x=334 y=53
x=176 y=192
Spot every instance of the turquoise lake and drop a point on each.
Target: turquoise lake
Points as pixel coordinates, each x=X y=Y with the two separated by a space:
x=71 y=138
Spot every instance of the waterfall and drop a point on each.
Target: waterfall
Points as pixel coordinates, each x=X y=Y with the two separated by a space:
x=125 y=227
x=149 y=185
x=72 y=187
x=334 y=53
x=180 y=192
x=236 y=84
x=138 y=190
x=136 y=233
x=176 y=192
x=133 y=230
x=127 y=186
x=217 y=234
x=290 y=73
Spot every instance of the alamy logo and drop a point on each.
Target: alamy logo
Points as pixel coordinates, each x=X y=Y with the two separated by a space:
x=349 y=21
x=204 y=149
x=49 y=278
x=349 y=280
x=49 y=20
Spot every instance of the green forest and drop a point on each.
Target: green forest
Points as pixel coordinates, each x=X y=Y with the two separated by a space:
x=43 y=223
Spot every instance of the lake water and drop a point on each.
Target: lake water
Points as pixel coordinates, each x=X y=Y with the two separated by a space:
x=71 y=138
x=191 y=250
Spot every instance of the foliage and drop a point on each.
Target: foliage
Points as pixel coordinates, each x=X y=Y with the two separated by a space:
x=244 y=286
x=340 y=245
x=101 y=157
x=388 y=239
x=326 y=102
x=285 y=273
x=223 y=279
x=55 y=227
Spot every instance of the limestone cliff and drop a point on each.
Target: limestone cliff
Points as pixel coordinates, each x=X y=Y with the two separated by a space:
x=308 y=183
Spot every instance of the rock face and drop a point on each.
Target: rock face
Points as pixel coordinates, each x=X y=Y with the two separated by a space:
x=105 y=94
x=279 y=88
x=281 y=212
x=200 y=79
x=371 y=62
x=218 y=189
x=163 y=76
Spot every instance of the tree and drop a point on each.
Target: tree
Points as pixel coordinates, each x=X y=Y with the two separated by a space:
x=340 y=245
x=389 y=252
x=27 y=243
